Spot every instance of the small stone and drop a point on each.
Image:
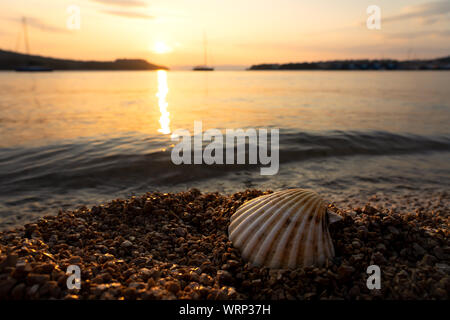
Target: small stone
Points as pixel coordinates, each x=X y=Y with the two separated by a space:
x=256 y=283
x=6 y=286
x=378 y=258
x=224 y=277
x=345 y=272
x=146 y=273
x=18 y=292
x=75 y=260
x=323 y=281
x=233 y=263
x=107 y=296
x=130 y=293
x=33 y=290
x=393 y=230
x=126 y=244
x=369 y=210
x=44 y=268
x=439 y=293
x=354 y=292
x=356 y=244
x=180 y=232
x=419 y=251
x=439 y=253
x=136 y=285
x=159 y=212
x=22 y=269
x=34 y=278
x=358 y=257
x=48 y=288
x=205 y=279
x=443 y=267
x=428 y=260
x=10 y=261
x=363 y=230
x=173 y=286
x=404 y=252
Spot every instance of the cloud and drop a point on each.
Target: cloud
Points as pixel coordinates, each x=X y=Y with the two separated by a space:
x=123 y=3
x=428 y=13
x=129 y=14
x=39 y=24
x=412 y=35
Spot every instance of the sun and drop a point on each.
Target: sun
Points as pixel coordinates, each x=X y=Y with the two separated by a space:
x=160 y=47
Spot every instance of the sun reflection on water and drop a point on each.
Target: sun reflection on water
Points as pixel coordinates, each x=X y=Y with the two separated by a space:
x=163 y=89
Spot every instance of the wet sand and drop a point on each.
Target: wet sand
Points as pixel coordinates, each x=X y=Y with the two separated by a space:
x=175 y=246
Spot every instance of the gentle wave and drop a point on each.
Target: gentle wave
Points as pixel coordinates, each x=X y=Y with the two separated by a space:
x=347 y=143
x=132 y=160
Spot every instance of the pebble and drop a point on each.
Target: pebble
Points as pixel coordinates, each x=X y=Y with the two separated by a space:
x=418 y=249
x=393 y=230
x=345 y=271
x=175 y=246
x=224 y=277
x=126 y=244
x=34 y=278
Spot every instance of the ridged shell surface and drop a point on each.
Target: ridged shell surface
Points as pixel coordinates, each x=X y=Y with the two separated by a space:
x=285 y=229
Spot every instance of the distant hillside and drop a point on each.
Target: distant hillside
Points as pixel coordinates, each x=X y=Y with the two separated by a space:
x=11 y=60
x=433 y=64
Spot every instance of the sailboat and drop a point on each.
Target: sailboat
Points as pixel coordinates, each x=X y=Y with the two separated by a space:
x=204 y=67
x=30 y=65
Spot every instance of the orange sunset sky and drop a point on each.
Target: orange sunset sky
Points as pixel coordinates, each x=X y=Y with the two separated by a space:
x=239 y=32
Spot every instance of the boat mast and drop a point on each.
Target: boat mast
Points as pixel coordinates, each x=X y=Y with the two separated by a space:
x=204 y=47
x=25 y=32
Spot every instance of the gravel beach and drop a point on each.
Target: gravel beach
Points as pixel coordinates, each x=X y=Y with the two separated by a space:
x=175 y=246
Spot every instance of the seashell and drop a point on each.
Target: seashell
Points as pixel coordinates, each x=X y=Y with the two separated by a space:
x=285 y=229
